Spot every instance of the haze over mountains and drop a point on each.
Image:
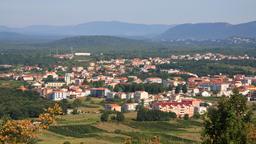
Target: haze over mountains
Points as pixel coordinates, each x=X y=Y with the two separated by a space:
x=111 y=28
x=199 y=31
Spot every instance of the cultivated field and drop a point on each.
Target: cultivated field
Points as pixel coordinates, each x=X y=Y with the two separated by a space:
x=87 y=128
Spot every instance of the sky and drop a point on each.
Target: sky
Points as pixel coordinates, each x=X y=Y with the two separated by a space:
x=21 y=13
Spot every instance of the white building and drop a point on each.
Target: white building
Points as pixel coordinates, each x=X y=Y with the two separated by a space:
x=130 y=107
x=153 y=80
x=82 y=54
x=205 y=94
x=68 y=77
x=202 y=110
x=58 y=95
x=54 y=84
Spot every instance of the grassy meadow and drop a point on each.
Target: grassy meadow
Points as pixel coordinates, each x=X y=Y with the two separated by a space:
x=87 y=128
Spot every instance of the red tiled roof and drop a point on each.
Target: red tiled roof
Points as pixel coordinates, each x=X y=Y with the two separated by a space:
x=173 y=103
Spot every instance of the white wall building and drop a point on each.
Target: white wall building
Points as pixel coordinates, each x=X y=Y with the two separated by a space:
x=58 y=95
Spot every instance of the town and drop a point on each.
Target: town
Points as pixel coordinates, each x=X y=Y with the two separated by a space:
x=126 y=84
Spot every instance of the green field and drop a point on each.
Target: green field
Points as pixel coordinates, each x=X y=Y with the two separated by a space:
x=86 y=128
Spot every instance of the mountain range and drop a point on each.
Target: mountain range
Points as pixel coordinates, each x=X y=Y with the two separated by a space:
x=198 y=31
x=206 y=31
x=111 y=28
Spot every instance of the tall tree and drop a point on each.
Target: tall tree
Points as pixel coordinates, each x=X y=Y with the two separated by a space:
x=184 y=88
x=177 y=89
x=227 y=123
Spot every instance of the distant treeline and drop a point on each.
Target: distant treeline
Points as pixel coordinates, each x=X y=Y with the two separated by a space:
x=114 y=47
x=203 y=67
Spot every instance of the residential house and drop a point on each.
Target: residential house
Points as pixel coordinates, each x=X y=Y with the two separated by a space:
x=99 y=92
x=129 y=107
x=58 y=95
x=179 y=108
x=153 y=80
x=140 y=95
x=54 y=84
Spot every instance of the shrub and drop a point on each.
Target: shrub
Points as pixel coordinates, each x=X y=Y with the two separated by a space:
x=186 y=117
x=113 y=118
x=120 y=116
x=154 y=115
x=196 y=115
x=104 y=117
x=75 y=112
x=67 y=142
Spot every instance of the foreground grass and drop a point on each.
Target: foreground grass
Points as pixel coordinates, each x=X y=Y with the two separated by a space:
x=86 y=128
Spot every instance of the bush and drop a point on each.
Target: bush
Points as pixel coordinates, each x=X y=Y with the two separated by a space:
x=104 y=117
x=120 y=116
x=113 y=118
x=77 y=103
x=196 y=115
x=75 y=112
x=186 y=117
x=154 y=115
x=67 y=142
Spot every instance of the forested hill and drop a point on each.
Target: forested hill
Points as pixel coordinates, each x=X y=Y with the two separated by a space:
x=204 y=31
x=109 y=44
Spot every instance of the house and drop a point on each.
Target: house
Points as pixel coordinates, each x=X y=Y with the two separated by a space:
x=129 y=107
x=23 y=88
x=195 y=102
x=36 y=85
x=205 y=94
x=153 y=80
x=179 y=108
x=68 y=77
x=139 y=95
x=219 y=87
x=99 y=92
x=113 y=107
x=110 y=95
x=120 y=95
x=82 y=54
x=130 y=95
x=195 y=91
x=202 y=110
x=54 y=84
x=58 y=95
x=27 y=78
x=46 y=91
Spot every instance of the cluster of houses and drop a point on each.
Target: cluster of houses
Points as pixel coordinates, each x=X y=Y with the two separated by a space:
x=98 y=79
x=210 y=56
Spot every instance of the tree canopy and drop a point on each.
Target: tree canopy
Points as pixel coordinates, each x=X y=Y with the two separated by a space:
x=227 y=123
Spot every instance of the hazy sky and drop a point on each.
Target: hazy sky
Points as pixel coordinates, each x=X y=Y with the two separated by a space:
x=19 y=13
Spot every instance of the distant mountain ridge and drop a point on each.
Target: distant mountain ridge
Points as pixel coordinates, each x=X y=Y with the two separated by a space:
x=205 y=31
x=111 y=28
x=156 y=32
x=18 y=37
